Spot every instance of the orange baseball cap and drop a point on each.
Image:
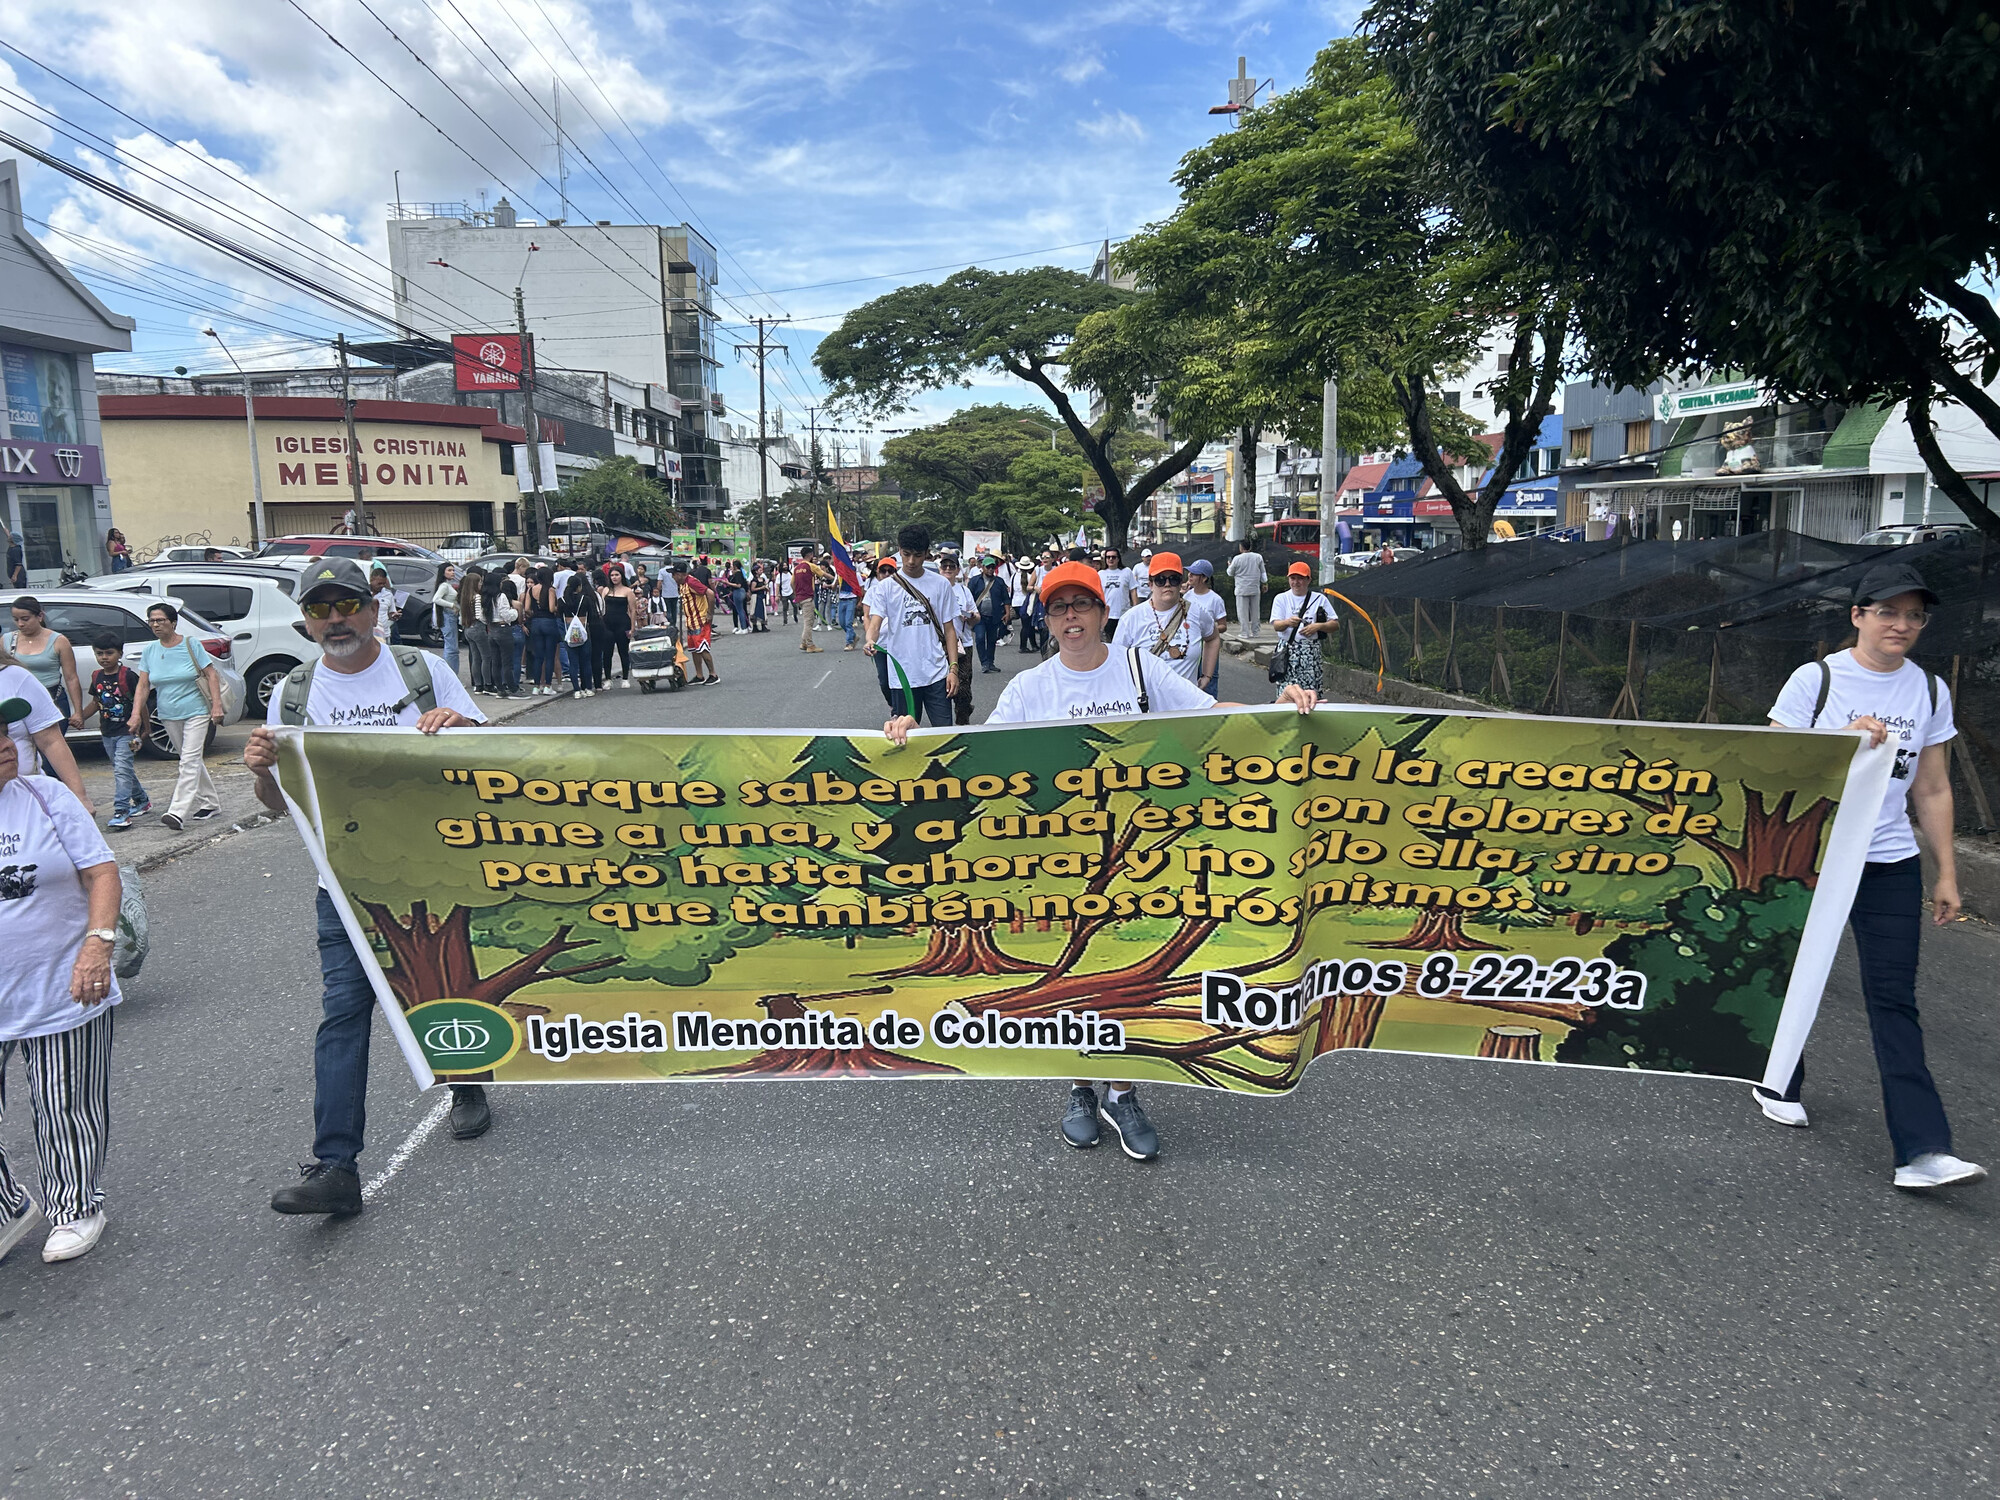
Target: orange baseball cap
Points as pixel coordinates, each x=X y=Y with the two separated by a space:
x=1083 y=575
x=1299 y=570
x=1165 y=562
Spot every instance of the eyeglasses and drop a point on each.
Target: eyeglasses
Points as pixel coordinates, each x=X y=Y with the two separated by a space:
x=1072 y=606
x=319 y=609
x=1916 y=618
x=1171 y=580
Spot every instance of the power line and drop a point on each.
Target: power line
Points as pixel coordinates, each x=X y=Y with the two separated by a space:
x=951 y=265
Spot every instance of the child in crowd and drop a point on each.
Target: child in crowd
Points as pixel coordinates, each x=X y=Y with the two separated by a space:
x=110 y=698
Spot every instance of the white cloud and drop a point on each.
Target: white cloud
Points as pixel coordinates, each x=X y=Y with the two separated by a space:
x=1077 y=69
x=1112 y=125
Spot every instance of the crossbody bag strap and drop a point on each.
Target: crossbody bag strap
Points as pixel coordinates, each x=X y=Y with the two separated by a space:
x=1825 y=687
x=930 y=615
x=1138 y=678
x=1169 y=630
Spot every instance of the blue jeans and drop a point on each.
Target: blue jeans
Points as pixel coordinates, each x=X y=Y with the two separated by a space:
x=451 y=639
x=547 y=632
x=514 y=643
x=1887 y=919
x=986 y=636
x=576 y=662
x=126 y=793
x=340 y=1052
x=846 y=616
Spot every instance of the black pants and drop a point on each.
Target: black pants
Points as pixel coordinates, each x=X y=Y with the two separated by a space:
x=961 y=701
x=1887 y=919
x=612 y=640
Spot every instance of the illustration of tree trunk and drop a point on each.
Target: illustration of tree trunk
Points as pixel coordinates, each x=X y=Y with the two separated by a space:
x=1517 y=1043
x=434 y=959
x=1439 y=929
x=1775 y=844
x=964 y=948
x=1349 y=1021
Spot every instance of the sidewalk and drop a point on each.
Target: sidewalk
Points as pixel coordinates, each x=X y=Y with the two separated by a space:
x=149 y=842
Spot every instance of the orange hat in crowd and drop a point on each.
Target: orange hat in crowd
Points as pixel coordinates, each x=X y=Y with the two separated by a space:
x=1164 y=562
x=1299 y=570
x=1082 y=575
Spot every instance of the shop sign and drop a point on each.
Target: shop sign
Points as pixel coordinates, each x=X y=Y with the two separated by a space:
x=42 y=403
x=51 y=463
x=487 y=361
x=1737 y=395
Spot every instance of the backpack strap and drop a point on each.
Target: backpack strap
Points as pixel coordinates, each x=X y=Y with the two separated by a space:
x=294 y=692
x=420 y=689
x=1138 y=678
x=1826 y=687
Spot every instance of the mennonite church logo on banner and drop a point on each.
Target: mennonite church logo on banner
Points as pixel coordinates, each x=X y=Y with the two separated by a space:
x=464 y=1036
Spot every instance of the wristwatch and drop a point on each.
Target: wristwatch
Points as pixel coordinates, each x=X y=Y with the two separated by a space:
x=109 y=934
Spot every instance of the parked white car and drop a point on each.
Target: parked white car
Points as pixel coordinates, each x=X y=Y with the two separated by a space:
x=462 y=547
x=251 y=601
x=82 y=613
x=199 y=554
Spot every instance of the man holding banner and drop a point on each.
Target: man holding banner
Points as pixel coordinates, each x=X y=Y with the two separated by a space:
x=356 y=683
x=1874 y=686
x=911 y=618
x=1086 y=679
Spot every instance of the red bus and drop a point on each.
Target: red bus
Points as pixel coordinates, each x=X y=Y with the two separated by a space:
x=1291 y=535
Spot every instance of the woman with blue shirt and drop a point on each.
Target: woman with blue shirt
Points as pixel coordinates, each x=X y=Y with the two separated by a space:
x=189 y=689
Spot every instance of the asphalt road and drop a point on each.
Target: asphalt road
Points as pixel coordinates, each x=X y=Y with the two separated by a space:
x=1412 y=1277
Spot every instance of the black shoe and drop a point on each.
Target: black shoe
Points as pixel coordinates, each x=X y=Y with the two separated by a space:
x=325 y=1189
x=206 y=812
x=471 y=1115
x=1135 y=1132
x=1079 y=1121
x=171 y=820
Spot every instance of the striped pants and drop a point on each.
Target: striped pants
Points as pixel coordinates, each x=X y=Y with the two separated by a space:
x=69 y=1086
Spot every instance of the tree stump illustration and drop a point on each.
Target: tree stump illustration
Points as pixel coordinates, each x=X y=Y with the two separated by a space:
x=1513 y=1043
x=1349 y=1021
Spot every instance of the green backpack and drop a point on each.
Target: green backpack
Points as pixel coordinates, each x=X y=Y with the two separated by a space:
x=416 y=671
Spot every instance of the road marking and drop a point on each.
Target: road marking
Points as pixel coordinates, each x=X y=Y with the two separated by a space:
x=822 y=679
x=408 y=1149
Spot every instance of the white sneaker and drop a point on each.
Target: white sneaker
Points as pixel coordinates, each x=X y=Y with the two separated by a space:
x=16 y=1230
x=1935 y=1169
x=68 y=1241
x=1784 y=1111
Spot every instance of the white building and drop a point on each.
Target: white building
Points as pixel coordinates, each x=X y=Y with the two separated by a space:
x=636 y=300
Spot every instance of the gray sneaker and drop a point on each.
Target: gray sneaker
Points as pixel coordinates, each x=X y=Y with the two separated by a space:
x=1079 y=1121
x=25 y=1223
x=1136 y=1136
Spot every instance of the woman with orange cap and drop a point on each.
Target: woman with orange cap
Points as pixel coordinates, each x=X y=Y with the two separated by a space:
x=1085 y=679
x=1301 y=617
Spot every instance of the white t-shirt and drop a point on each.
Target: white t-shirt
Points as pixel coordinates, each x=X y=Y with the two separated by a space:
x=905 y=633
x=1051 y=692
x=43 y=909
x=561 y=580
x=1902 y=700
x=1247 y=568
x=1146 y=628
x=964 y=613
x=1210 y=604
x=1117 y=590
x=1289 y=606
x=367 y=699
x=19 y=682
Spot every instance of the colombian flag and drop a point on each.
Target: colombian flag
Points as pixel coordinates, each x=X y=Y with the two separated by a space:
x=843 y=564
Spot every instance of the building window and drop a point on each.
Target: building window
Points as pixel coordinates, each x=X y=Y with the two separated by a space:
x=1579 y=445
x=1504 y=362
x=1453 y=398
x=1639 y=436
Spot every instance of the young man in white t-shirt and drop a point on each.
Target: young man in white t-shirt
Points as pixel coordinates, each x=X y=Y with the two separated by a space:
x=355 y=684
x=1167 y=627
x=1874 y=686
x=1086 y=679
x=912 y=616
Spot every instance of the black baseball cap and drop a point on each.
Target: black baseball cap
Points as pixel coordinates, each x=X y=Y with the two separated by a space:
x=1888 y=580
x=333 y=577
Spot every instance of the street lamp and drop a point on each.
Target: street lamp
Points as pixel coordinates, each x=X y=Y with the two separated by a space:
x=256 y=469
x=1024 y=422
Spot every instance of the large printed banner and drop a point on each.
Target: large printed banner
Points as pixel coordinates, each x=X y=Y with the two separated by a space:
x=1206 y=899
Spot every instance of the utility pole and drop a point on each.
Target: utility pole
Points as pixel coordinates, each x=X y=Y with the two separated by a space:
x=764 y=345
x=537 y=527
x=1330 y=476
x=562 y=168
x=257 y=528
x=360 y=527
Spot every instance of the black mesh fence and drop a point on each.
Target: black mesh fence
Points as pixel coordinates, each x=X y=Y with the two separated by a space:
x=1703 y=632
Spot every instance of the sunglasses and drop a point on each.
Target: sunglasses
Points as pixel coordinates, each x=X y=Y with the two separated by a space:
x=1171 y=580
x=319 y=609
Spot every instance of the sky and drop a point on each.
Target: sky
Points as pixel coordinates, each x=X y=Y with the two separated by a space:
x=831 y=152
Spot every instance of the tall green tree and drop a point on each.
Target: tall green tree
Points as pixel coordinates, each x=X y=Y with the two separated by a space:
x=1019 y=323
x=619 y=491
x=1011 y=469
x=1798 y=193
x=1325 y=235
